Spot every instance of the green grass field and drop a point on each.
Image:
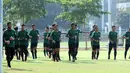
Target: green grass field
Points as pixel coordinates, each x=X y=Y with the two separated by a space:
x=84 y=64
x=81 y=44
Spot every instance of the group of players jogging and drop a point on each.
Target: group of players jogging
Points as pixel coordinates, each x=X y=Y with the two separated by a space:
x=16 y=42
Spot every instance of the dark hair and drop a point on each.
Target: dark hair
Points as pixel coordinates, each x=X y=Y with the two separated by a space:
x=113 y=26
x=94 y=26
x=4 y=29
x=16 y=28
x=72 y=24
x=22 y=25
x=53 y=25
x=33 y=25
x=8 y=23
x=47 y=27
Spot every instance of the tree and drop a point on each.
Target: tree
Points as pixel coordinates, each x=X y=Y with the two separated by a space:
x=79 y=11
x=25 y=10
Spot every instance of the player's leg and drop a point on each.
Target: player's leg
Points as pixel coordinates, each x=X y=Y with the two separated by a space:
x=32 y=50
x=77 y=46
x=109 y=50
x=69 y=51
x=115 y=51
x=35 y=50
x=97 y=51
x=22 y=51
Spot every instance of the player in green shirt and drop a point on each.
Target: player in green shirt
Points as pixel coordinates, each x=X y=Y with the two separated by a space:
x=96 y=43
x=56 y=38
x=17 y=44
x=93 y=57
x=127 y=44
x=72 y=42
x=77 y=40
x=34 y=36
x=9 y=40
x=23 y=38
x=112 y=42
x=46 y=41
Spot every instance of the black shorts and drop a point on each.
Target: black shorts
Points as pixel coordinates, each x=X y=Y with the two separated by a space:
x=77 y=45
x=17 y=47
x=33 y=45
x=50 y=44
x=127 y=46
x=56 y=45
x=10 y=51
x=71 y=45
x=96 y=47
x=112 y=45
x=46 y=45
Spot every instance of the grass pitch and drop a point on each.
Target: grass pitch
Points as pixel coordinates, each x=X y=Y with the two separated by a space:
x=84 y=64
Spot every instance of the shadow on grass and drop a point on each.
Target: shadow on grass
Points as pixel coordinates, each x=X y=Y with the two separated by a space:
x=80 y=61
x=17 y=69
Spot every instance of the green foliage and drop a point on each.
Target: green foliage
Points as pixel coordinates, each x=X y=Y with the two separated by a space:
x=24 y=9
x=79 y=10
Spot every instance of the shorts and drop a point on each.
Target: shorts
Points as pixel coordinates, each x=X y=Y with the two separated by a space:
x=127 y=46
x=33 y=45
x=96 y=47
x=72 y=45
x=46 y=45
x=112 y=45
x=77 y=45
x=56 y=45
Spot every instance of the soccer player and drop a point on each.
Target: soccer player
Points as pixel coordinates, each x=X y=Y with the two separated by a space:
x=93 y=57
x=96 y=43
x=72 y=43
x=50 y=42
x=34 y=35
x=55 y=37
x=17 y=50
x=9 y=40
x=23 y=38
x=113 y=42
x=127 y=44
x=46 y=41
x=77 y=40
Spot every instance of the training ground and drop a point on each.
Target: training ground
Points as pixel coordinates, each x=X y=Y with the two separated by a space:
x=84 y=64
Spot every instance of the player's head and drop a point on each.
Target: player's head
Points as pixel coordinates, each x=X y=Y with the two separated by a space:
x=9 y=25
x=96 y=29
x=15 y=28
x=33 y=27
x=53 y=26
x=4 y=29
x=94 y=26
x=22 y=27
x=73 y=26
x=113 y=28
x=47 y=29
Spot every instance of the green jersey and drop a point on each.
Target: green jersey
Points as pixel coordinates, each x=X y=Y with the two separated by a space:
x=71 y=35
x=96 y=38
x=127 y=35
x=23 y=37
x=7 y=35
x=16 y=38
x=113 y=36
x=34 y=34
x=46 y=35
x=77 y=32
x=56 y=35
